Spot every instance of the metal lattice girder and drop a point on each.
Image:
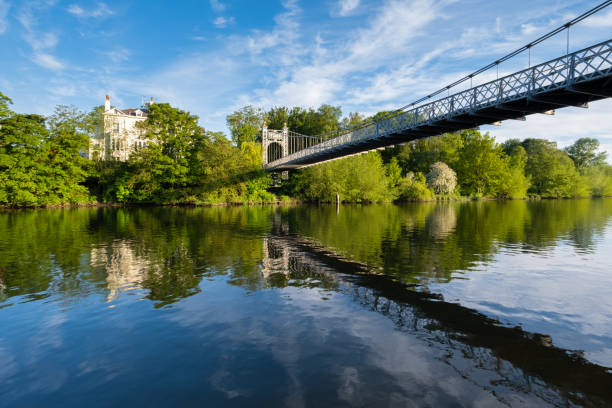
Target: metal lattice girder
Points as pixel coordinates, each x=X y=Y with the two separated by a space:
x=571 y=80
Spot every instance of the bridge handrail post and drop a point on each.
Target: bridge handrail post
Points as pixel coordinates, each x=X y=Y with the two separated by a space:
x=571 y=70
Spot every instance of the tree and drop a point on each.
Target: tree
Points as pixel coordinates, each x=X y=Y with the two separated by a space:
x=441 y=178
x=245 y=125
x=22 y=181
x=551 y=170
x=481 y=164
x=308 y=122
x=394 y=175
x=40 y=165
x=419 y=156
x=357 y=179
x=65 y=149
x=353 y=119
x=414 y=187
x=5 y=101
x=584 y=153
x=162 y=170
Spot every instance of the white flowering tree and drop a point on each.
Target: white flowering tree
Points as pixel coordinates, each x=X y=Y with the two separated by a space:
x=441 y=178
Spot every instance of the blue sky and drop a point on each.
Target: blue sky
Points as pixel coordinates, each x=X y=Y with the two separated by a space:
x=211 y=57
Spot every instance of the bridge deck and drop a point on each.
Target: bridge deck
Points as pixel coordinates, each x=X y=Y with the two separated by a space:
x=571 y=80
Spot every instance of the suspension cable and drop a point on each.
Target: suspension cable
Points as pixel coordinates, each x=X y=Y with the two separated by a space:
x=487 y=67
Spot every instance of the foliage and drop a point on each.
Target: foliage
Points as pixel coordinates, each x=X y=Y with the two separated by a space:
x=40 y=165
x=357 y=179
x=551 y=170
x=481 y=165
x=309 y=122
x=5 y=101
x=245 y=125
x=420 y=155
x=441 y=178
x=599 y=180
x=584 y=153
x=414 y=187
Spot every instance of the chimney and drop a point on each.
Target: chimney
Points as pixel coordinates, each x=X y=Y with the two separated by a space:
x=107 y=104
x=151 y=102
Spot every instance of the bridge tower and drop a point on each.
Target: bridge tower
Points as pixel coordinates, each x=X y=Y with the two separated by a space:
x=275 y=143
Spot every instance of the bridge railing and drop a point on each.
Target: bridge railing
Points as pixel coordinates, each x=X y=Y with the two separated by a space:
x=579 y=66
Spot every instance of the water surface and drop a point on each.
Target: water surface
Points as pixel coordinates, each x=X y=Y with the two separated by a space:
x=447 y=304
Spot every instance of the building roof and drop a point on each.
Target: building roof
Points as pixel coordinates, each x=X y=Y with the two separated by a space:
x=134 y=112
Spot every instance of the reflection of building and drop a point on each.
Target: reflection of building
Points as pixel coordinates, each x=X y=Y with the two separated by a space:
x=125 y=270
x=119 y=136
x=442 y=221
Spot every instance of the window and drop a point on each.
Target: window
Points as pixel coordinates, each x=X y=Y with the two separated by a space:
x=116 y=126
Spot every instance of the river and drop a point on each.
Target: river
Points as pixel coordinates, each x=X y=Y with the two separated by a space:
x=428 y=304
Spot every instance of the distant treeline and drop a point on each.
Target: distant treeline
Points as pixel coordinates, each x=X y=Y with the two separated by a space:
x=42 y=163
x=468 y=163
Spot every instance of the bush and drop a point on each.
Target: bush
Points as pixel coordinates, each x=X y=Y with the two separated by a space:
x=414 y=187
x=441 y=178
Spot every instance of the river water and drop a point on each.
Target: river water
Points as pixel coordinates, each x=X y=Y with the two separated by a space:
x=441 y=304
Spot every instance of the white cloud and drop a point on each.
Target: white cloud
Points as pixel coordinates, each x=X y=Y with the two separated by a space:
x=47 y=61
x=600 y=20
x=222 y=22
x=76 y=10
x=285 y=34
x=393 y=30
x=118 y=55
x=345 y=7
x=40 y=42
x=327 y=79
x=4 y=8
x=100 y=11
x=217 y=6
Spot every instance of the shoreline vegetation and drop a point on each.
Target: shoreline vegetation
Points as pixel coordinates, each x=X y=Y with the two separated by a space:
x=43 y=164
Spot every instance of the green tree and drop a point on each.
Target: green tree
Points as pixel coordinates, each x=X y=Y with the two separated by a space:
x=22 y=173
x=584 y=153
x=165 y=169
x=353 y=119
x=5 y=101
x=357 y=179
x=245 y=125
x=551 y=170
x=419 y=156
x=414 y=187
x=308 y=122
x=481 y=164
x=65 y=149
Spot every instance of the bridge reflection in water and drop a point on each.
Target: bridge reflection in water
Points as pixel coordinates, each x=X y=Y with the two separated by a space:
x=490 y=355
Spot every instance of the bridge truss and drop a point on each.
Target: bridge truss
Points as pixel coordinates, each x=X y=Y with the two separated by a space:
x=574 y=79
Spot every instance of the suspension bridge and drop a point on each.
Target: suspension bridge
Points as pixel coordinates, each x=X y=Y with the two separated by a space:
x=573 y=79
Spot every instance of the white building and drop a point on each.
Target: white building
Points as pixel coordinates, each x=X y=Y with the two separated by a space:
x=119 y=136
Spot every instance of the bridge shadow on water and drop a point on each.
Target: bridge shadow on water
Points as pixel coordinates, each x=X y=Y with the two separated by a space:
x=523 y=361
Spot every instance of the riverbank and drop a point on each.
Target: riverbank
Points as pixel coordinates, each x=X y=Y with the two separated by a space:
x=286 y=202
